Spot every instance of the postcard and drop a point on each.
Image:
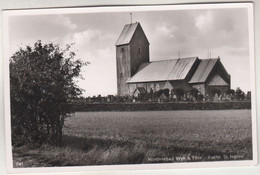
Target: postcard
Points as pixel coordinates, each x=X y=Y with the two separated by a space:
x=129 y=87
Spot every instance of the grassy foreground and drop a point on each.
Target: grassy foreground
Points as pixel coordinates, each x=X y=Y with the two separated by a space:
x=103 y=138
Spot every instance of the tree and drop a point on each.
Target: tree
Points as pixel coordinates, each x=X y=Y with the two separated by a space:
x=231 y=94
x=194 y=92
x=42 y=87
x=166 y=92
x=239 y=94
x=179 y=93
x=248 y=95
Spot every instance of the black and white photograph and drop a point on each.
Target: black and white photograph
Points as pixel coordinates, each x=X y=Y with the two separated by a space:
x=164 y=85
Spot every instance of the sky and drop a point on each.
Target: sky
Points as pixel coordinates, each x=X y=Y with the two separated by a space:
x=223 y=32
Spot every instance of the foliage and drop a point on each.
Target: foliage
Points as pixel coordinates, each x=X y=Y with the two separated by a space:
x=216 y=91
x=231 y=92
x=240 y=95
x=179 y=92
x=160 y=92
x=42 y=86
x=166 y=92
x=200 y=97
x=248 y=95
x=194 y=92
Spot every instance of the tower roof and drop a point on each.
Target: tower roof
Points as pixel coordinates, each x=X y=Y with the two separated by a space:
x=127 y=33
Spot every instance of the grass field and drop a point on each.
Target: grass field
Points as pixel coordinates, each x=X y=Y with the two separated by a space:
x=95 y=138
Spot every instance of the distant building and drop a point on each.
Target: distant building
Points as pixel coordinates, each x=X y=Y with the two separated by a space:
x=134 y=69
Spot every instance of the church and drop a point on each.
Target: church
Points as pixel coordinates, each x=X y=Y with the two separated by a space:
x=135 y=71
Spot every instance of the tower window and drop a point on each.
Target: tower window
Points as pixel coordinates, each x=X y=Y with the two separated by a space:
x=122 y=49
x=139 y=50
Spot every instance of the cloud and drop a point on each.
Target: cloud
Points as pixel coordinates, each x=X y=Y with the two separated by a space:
x=100 y=75
x=197 y=31
x=204 y=21
x=65 y=22
x=98 y=48
x=90 y=42
x=165 y=31
x=26 y=30
x=192 y=32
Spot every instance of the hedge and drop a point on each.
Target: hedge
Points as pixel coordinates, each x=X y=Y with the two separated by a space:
x=163 y=106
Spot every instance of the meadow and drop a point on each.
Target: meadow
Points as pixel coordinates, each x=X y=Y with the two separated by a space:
x=105 y=138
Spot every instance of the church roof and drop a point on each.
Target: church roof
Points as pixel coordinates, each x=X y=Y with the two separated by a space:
x=217 y=81
x=174 y=69
x=141 y=90
x=128 y=33
x=177 y=84
x=203 y=70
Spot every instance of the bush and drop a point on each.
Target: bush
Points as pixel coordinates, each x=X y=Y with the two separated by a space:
x=42 y=87
x=240 y=95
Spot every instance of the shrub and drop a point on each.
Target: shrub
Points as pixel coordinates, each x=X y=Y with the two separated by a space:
x=42 y=87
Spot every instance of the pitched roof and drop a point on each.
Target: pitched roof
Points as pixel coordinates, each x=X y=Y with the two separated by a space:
x=217 y=81
x=181 y=68
x=174 y=69
x=141 y=90
x=181 y=84
x=127 y=34
x=177 y=84
x=203 y=70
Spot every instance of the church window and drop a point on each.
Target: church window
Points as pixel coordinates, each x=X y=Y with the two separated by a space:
x=157 y=87
x=152 y=87
x=139 y=50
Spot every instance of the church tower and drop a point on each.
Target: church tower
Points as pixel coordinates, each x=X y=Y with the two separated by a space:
x=132 y=49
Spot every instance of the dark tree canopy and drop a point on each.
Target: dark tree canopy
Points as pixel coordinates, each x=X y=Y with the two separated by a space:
x=239 y=94
x=231 y=92
x=42 y=86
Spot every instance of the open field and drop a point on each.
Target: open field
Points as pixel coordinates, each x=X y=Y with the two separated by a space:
x=94 y=138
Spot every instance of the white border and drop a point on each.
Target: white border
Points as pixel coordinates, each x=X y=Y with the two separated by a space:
x=5 y=34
